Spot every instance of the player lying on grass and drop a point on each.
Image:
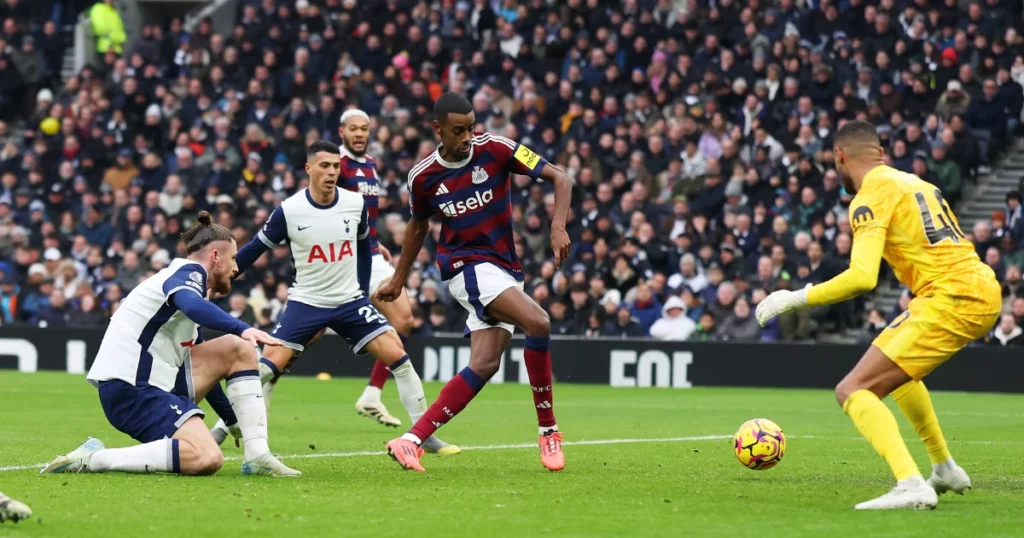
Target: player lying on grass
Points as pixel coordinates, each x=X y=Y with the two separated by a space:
x=466 y=184
x=327 y=231
x=13 y=510
x=899 y=217
x=152 y=367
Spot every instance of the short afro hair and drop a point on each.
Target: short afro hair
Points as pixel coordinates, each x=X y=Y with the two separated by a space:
x=451 y=103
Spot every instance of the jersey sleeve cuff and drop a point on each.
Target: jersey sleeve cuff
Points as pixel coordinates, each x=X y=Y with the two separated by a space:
x=265 y=240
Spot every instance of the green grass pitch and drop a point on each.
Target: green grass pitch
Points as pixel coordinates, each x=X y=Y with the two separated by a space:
x=642 y=462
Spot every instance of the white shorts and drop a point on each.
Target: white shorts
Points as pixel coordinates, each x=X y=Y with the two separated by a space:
x=380 y=272
x=475 y=287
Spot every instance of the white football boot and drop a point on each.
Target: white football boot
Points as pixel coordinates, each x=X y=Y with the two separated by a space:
x=949 y=478
x=77 y=460
x=12 y=510
x=221 y=431
x=910 y=494
x=375 y=409
x=268 y=465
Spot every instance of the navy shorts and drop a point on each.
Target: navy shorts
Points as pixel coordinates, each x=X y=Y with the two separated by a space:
x=147 y=413
x=358 y=322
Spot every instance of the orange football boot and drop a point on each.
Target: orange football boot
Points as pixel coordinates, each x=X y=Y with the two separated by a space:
x=406 y=453
x=551 y=451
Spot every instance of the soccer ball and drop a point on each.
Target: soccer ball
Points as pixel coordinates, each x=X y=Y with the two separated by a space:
x=759 y=444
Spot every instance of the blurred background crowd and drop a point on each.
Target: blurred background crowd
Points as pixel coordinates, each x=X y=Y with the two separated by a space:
x=699 y=134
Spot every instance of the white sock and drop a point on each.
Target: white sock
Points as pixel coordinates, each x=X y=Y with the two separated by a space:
x=945 y=467
x=268 y=389
x=371 y=393
x=915 y=481
x=246 y=396
x=546 y=429
x=154 y=457
x=413 y=438
x=410 y=390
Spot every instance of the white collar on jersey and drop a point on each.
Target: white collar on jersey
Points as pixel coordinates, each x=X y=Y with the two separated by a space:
x=346 y=153
x=448 y=164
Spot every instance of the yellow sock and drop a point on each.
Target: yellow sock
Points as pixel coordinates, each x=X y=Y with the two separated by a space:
x=877 y=424
x=916 y=405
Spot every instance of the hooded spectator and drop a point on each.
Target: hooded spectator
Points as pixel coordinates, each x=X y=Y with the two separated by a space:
x=673 y=325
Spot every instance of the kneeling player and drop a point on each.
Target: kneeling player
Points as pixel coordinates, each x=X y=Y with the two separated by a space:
x=151 y=368
x=905 y=220
x=327 y=229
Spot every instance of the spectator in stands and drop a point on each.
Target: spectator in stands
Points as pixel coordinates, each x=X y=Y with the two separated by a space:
x=1008 y=333
x=623 y=325
x=55 y=313
x=673 y=324
x=239 y=308
x=706 y=328
x=88 y=315
x=875 y=324
x=946 y=174
x=645 y=309
x=741 y=326
x=108 y=27
x=717 y=143
x=560 y=324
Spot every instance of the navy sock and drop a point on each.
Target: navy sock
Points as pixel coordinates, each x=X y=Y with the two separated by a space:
x=273 y=367
x=175 y=459
x=218 y=400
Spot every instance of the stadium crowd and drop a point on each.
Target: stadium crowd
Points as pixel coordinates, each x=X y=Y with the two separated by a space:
x=699 y=135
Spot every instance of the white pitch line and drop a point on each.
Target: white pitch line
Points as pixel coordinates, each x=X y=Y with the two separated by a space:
x=484 y=447
x=585 y=442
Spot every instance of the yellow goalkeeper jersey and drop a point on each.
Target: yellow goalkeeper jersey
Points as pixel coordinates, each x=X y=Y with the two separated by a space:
x=923 y=240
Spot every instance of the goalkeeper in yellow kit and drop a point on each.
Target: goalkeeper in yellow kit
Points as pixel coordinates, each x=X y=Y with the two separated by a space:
x=899 y=217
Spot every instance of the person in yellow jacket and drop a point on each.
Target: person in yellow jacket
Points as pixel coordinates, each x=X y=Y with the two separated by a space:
x=108 y=27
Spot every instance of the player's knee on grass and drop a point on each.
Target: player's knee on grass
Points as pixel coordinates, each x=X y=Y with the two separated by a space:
x=198 y=453
x=202 y=462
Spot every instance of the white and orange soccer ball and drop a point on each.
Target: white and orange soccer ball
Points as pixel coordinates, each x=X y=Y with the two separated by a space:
x=759 y=444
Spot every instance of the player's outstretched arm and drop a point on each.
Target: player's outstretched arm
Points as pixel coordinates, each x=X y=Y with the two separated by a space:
x=861 y=277
x=273 y=233
x=415 y=233
x=560 y=242
x=205 y=313
x=248 y=254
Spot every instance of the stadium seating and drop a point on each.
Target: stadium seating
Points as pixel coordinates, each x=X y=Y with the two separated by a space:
x=699 y=139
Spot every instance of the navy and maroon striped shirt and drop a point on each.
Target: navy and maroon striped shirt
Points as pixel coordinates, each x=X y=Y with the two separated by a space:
x=359 y=174
x=473 y=201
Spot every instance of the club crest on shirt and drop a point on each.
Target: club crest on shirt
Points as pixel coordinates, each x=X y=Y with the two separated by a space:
x=479 y=175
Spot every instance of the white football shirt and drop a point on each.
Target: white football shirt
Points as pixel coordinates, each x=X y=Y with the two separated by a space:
x=149 y=340
x=322 y=239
